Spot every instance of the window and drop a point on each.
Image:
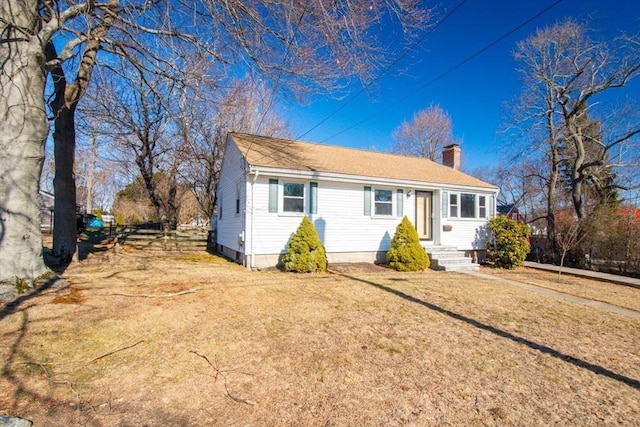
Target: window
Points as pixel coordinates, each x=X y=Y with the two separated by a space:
x=482 y=206
x=383 y=202
x=293 y=197
x=467 y=205
x=453 y=205
x=238 y=187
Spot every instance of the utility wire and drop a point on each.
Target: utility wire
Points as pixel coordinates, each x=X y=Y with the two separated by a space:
x=447 y=72
x=423 y=86
x=386 y=69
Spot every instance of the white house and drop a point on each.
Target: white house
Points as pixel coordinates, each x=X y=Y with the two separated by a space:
x=355 y=199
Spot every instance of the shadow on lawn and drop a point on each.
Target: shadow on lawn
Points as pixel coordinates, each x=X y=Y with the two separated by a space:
x=504 y=334
x=13 y=306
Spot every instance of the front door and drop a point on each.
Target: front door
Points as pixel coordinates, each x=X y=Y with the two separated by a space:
x=424 y=222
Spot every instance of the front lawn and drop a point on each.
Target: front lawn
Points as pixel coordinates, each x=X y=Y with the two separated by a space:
x=154 y=339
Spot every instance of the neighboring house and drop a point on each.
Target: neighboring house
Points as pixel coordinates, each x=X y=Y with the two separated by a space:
x=355 y=199
x=512 y=212
x=47 y=203
x=46 y=210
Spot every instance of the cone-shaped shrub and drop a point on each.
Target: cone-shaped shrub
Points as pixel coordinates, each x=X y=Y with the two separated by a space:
x=406 y=252
x=509 y=243
x=305 y=252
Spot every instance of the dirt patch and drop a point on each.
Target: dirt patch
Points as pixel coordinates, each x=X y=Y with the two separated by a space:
x=190 y=339
x=73 y=296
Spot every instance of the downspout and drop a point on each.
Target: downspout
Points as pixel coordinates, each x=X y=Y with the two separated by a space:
x=253 y=209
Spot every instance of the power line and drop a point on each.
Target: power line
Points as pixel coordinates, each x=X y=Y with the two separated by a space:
x=447 y=72
x=386 y=69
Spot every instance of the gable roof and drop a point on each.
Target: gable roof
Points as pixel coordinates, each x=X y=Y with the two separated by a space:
x=262 y=151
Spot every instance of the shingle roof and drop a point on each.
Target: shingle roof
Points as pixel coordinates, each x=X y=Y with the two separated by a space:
x=305 y=156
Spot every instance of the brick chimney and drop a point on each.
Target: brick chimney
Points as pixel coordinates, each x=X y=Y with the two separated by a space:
x=451 y=156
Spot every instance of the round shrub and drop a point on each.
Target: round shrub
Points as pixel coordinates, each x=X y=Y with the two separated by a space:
x=305 y=251
x=509 y=244
x=406 y=252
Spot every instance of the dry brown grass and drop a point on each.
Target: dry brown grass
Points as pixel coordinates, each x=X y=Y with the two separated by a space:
x=623 y=296
x=358 y=347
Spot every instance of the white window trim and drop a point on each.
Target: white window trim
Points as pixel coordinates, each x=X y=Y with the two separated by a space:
x=457 y=205
x=370 y=202
x=488 y=208
x=391 y=202
x=305 y=198
x=485 y=207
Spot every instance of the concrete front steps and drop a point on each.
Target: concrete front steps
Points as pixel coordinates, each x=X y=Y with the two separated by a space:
x=449 y=258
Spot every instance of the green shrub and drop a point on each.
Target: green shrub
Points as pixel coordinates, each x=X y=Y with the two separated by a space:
x=406 y=252
x=305 y=251
x=509 y=242
x=120 y=219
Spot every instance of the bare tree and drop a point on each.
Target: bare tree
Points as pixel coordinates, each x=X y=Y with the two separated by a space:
x=243 y=108
x=66 y=94
x=135 y=110
x=428 y=132
x=300 y=45
x=569 y=237
x=89 y=168
x=564 y=72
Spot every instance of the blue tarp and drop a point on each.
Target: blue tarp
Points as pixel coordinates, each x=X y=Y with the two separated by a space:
x=95 y=223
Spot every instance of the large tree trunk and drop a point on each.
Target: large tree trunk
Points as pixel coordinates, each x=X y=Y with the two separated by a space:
x=23 y=130
x=64 y=186
x=64 y=106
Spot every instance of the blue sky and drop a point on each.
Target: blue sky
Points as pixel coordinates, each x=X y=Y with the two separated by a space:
x=475 y=94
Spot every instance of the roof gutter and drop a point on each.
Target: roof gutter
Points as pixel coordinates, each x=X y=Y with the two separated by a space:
x=359 y=179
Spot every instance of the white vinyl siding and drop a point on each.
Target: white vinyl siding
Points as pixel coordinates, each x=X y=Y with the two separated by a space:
x=339 y=222
x=467 y=234
x=231 y=226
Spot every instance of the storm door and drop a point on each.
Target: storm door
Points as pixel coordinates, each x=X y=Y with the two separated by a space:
x=424 y=210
